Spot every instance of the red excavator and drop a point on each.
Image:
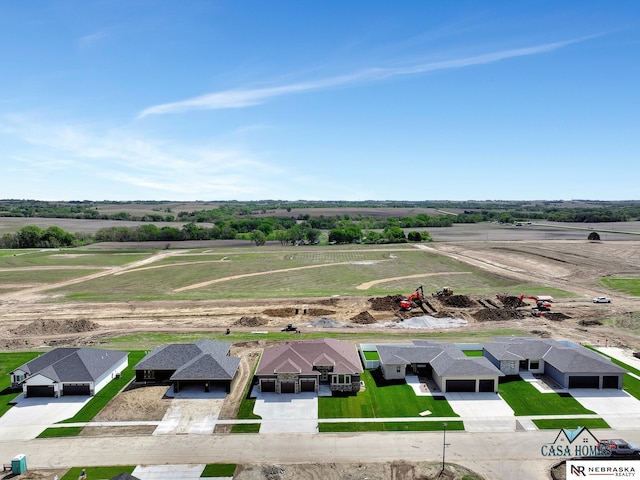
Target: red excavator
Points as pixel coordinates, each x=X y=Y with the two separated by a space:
x=415 y=299
x=542 y=305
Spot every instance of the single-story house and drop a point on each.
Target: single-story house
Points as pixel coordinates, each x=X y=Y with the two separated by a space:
x=444 y=363
x=206 y=363
x=568 y=364
x=303 y=366
x=69 y=371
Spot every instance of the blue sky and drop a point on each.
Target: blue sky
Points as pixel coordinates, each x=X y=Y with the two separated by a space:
x=329 y=100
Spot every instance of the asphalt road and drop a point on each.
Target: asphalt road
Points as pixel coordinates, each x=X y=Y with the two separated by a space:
x=496 y=456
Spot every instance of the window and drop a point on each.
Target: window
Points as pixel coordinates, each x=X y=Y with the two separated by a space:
x=398 y=369
x=534 y=365
x=148 y=375
x=341 y=379
x=18 y=378
x=512 y=364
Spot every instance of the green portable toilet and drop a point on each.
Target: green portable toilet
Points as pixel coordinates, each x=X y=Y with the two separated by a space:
x=19 y=464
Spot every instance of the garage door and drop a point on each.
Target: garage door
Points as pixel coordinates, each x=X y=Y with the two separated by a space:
x=308 y=385
x=287 y=387
x=487 y=386
x=610 y=381
x=76 y=389
x=584 y=382
x=268 y=386
x=461 y=385
x=40 y=391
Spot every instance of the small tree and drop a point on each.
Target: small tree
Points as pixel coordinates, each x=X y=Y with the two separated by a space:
x=414 y=237
x=594 y=236
x=258 y=237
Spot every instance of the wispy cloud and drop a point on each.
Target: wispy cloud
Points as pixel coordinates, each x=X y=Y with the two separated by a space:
x=92 y=39
x=240 y=98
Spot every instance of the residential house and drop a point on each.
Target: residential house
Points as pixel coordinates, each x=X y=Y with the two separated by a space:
x=304 y=366
x=444 y=363
x=568 y=364
x=69 y=371
x=205 y=363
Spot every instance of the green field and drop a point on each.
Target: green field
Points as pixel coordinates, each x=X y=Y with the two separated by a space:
x=630 y=286
x=8 y=362
x=525 y=399
x=382 y=399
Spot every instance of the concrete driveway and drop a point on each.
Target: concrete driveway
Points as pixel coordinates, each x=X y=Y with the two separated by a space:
x=31 y=416
x=287 y=412
x=192 y=411
x=619 y=409
x=482 y=412
x=169 y=472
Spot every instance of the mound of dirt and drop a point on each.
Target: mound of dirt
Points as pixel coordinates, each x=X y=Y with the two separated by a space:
x=251 y=322
x=385 y=304
x=456 y=301
x=590 y=323
x=326 y=323
x=55 y=327
x=556 y=316
x=541 y=333
x=363 y=318
x=318 y=312
x=491 y=315
x=512 y=302
x=280 y=312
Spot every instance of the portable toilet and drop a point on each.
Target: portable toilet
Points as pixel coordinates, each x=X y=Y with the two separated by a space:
x=19 y=464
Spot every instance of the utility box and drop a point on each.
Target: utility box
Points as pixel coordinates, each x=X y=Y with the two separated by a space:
x=19 y=464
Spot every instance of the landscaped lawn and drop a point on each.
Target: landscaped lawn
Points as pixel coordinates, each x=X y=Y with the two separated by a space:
x=371 y=355
x=61 y=432
x=219 y=470
x=626 y=285
x=382 y=399
x=524 y=399
x=245 y=428
x=472 y=353
x=573 y=423
x=97 y=472
x=8 y=362
x=387 y=426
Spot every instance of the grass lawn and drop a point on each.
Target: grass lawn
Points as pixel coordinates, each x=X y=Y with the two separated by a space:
x=245 y=428
x=382 y=399
x=387 y=426
x=8 y=362
x=573 y=423
x=371 y=355
x=626 y=285
x=61 y=432
x=472 y=353
x=524 y=399
x=97 y=472
x=103 y=397
x=219 y=470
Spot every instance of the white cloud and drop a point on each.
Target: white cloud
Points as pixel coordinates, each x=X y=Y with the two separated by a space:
x=240 y=98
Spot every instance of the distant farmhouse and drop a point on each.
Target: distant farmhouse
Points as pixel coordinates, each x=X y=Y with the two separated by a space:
x=444 y=363
x=205 y=363
x=69 y=371
x=305 y=366
x=568 y=364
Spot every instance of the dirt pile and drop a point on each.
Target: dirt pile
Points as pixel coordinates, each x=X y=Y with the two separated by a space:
x=326 y=323
x=556 y=316
x=590 y=323
x=493 y=315
x=385 y=304
x=456 y=301
x=512 y=302
x=251 y=322
x=364 y=318
x=281 y=312
x=55 y=327
x=319 y=312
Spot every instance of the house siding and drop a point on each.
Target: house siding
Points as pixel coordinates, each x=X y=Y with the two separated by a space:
x=390 y=371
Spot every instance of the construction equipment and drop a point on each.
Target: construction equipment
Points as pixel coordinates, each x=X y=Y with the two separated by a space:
x=416 y=299
x=290 y=328
x=541 y=304
x=445 y=292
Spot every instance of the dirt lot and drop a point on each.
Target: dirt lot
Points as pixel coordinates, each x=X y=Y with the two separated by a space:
x=571 y=265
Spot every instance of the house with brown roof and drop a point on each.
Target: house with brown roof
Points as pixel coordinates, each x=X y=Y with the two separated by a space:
x=303 y=366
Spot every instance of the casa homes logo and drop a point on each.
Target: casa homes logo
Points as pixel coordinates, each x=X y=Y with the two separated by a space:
x=602 y=468
x=575 y=443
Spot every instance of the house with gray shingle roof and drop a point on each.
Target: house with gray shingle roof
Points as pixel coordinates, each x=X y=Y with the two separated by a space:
x=444 y=363
x=205 y=362
x=568 y=364
x=69 y=371
x=304 y=366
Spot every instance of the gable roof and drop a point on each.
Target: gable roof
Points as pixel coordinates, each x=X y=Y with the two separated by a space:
x=567 y=359
x=201 y=360
x=73 y=364
x=303 y=357
x=125 y=476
